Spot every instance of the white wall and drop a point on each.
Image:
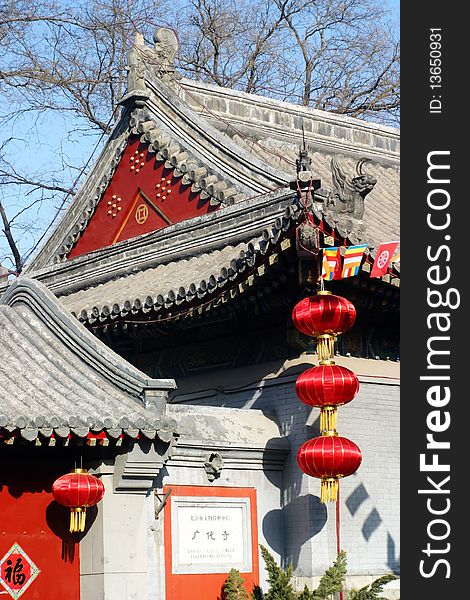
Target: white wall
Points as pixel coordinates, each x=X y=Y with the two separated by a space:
x=122 y=555
x=113 y=553
x=369 y=499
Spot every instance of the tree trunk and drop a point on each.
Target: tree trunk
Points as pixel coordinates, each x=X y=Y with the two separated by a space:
x=11 y=240
x=307 y=84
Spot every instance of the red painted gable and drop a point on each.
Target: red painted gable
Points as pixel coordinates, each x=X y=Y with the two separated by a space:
x=143 y=196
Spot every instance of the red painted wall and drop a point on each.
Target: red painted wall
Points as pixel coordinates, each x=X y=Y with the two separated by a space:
x=143 y=196
x=31 y=518
x=207 y=586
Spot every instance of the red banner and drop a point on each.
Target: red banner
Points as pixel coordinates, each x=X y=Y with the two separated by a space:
x=383 y=258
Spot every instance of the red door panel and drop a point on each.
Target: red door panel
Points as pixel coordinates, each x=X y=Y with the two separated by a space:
x=31 y=518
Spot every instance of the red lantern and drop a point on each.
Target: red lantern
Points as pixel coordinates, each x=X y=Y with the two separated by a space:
x=324 y=316
x=329 y=458
x=326 y=387
x=78 y=490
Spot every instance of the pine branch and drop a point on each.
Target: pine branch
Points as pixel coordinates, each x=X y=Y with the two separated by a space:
x=233 y=587
x=372 y=591
x=306 y=594
x=332 y=580
x=377 y=585
x=257 y=593
x=280 y=587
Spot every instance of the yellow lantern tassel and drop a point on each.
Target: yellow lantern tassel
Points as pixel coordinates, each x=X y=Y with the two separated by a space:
x=329 y=489
x=72 y=520
x=328 y=418
x=326 y=349
x=82 y=519
x=77 y=519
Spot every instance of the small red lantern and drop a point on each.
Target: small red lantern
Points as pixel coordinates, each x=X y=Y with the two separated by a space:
x=326 y=387
x=78 y=490
x=324 y=316
x=329 y=458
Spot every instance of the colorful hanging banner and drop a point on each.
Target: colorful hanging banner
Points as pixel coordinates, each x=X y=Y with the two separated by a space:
x=331 y=266
x=352 y=260
x=383 y=259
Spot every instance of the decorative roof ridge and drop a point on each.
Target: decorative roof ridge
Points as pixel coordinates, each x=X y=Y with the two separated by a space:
x=346 y=133
x=258 y=99
x=156 y=108
x=87 y=197
x=176 y=155
x=184 y=166
x=235 y=222
x=218 y=150
x=214 y=285
x=109 y=365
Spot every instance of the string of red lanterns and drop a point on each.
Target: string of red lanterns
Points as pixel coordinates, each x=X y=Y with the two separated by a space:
x=327 y=386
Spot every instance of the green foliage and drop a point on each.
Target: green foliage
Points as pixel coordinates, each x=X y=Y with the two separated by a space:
x=257 y=593
x=372 y=591
x=332 y=580
x=280 y=587
x=306 y=594
x=233 y=587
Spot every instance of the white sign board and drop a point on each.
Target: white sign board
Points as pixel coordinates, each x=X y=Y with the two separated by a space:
x=210 y=535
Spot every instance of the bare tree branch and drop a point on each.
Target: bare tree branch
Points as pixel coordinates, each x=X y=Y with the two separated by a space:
x=10 y=239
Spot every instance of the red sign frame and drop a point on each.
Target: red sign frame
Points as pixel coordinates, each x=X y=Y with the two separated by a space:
x=207 y=586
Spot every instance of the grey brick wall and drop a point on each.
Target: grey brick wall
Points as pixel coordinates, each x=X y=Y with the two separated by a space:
x=369 y=500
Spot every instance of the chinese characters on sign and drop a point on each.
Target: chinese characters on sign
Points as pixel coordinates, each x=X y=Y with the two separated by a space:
x=211 y=535
x=17 y=571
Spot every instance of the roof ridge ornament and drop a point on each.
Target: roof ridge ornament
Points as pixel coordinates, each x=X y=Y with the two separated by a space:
x=304 y=181
x=166 y=47
x=158 y=61
x=345 y=202
x=308 y=239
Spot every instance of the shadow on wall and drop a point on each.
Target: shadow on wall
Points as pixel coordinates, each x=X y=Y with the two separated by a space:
x=303 y=514
x=274 y=522
x=258 y=401
x=313 y=515
x=274 y=455
x=371 y=523
x=58 y=520
x=303 y=530
x=306 y=529
x=235 y=393
x=293 y=486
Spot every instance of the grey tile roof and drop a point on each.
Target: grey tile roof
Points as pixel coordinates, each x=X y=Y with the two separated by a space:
x=179 y=283
x=273 y=131
x=382 y=205
x=165 y=284
x=57 y=379
x=246 y=144
x=177 y=286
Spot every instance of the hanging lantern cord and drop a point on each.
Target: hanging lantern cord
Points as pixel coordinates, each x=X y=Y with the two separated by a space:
x=338 y=531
